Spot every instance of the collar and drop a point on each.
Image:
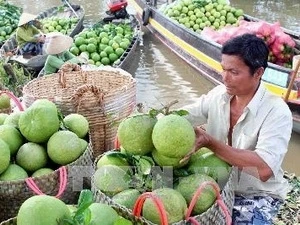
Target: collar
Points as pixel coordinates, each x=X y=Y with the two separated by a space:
x=253 y=105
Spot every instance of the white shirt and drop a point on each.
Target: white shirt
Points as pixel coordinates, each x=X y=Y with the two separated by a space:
x=264 y=126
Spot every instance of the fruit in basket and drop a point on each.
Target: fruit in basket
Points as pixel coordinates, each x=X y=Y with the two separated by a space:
x=173 y=202
x=64 y=147
x=43 y=210
x=173 y=136
x=126 y=198
x=31 y=156
x=110 y=158
x=84 y=144
x=102 y=214
x=39 y=121
x=188 y=185
x=163 y=160
x=211 y=165
x=42 y=171
x=4 y=156
x=4 y=101
x=135 y=134
x=12 y=137
x=111 y=179
x=13 y=119
x=3 y=116
x=13 y=172
x=77 y=123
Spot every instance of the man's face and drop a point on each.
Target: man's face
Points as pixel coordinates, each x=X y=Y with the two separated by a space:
x=237 y=77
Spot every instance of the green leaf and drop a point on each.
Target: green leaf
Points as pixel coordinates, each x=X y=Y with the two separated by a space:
x=180 y=112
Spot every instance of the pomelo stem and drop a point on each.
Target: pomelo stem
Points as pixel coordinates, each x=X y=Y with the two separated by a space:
x=219 y=201
x=137 y=209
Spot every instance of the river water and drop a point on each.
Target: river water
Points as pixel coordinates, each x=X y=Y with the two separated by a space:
x=163 y=77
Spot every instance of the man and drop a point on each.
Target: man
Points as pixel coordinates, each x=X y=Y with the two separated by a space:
x=248 y=127
x=30 y=39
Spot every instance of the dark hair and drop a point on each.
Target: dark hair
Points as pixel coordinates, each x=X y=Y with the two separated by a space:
x=250 y=48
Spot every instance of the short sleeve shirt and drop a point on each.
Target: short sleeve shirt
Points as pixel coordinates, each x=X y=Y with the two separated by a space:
x=265 y=127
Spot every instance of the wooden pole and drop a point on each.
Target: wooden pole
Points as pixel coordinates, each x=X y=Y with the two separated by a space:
x=294 y=74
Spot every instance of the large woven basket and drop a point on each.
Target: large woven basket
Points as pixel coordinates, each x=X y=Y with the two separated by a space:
x=14 y=193
x=213 y=216
x=104 y=97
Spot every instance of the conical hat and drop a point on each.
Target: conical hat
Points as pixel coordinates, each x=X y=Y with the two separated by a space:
x=57 y=43
x=25 y=18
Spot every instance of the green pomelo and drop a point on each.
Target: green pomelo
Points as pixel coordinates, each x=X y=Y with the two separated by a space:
x=163 y=160
x=188 y=185
x=211 y=165
x=4 y=156
x=42 y=171
x=135 y=134
x=3 y=116
x=77 y=123
x=39 y=121
x=102 y=214
x=72 y=209
x=122 y=221
x=198 y=154
x=13 y=119
x=111 y=179
x=43 y=210
x=173 y=136
x=84 y=145
x=4 y=101
x=173 y=202
x=112 y=159
x=31 y=156
x=13 y=172
x=127 y=198
x=12 y=137
x=64 y=147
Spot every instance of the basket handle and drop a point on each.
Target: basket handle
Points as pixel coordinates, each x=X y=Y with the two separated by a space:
x=14 y=98
x=219 y=201
x=62 y=76
x=85 y=88
x=62 y=185
x=137 y=209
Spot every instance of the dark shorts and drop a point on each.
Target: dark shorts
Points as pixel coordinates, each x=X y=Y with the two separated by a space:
x=256 y=210
x=32 y=48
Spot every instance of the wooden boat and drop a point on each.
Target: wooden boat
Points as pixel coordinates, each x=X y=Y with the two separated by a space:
x=205 y=55
x=36 y=63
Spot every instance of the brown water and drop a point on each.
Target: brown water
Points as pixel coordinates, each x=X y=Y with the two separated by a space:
x=163 y=77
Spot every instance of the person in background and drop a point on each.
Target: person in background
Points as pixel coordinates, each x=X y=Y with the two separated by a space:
x=57 y=47
x=248 y=127
x=30 y=39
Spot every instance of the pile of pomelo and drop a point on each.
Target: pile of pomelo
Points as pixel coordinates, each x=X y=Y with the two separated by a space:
x=150 y=159
x=9 y=20
x=38 y=140
x=48 y=210
x=104 y=44
x=59 y=24
x=198 y=14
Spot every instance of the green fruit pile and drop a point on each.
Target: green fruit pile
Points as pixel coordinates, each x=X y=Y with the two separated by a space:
x=149 y=160
x=37 y=140
x=9 y=19
x=104 y=44
x=198 y=14
x=59 y=24
x=49 y=210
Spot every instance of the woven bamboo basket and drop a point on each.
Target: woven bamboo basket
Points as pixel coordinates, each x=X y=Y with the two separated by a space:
x=14 y=193
x=105 y=97
x=11 y=221
x=213 y=216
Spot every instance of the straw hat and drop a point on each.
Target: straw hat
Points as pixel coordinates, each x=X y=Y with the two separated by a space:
x=57 y=43
x=25 y=18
